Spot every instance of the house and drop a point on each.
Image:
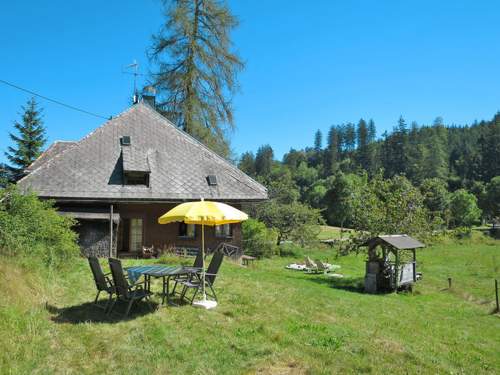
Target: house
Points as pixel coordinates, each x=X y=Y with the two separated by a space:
x=120 y=178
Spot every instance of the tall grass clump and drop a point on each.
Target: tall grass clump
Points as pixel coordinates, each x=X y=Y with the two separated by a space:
x=32 y=231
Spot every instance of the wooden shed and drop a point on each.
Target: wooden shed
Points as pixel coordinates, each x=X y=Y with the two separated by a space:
x=392 y=263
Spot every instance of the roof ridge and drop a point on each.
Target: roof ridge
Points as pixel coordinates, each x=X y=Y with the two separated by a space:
x=224 y=160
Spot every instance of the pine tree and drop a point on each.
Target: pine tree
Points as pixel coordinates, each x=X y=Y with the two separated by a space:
x=435 y=163
x=416 y=152
x=363 y=145
x=5 y=176
x=197 y=70
x=333 y=150
x=350 y=137
x=490 y=150
x=399 y=159
x=318 y=141
x=372 y=131
x=29 y=142
x=247 y=163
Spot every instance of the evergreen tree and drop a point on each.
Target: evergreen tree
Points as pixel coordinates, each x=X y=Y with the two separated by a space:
x=416 y=152
x=372 y=131
x=196 y=69
x=350 y=137
x=264 y=160
x=333 y=150
x=318 y=141
x=5 y=176
x=398 y=156
x=247 y=163
x=29 y=142
x=363 y=152
x=341 y=140
x=435 y=163
x=490 y=150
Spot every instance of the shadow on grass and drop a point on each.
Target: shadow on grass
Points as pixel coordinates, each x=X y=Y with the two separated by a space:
x=350 y=284
x=90 y=313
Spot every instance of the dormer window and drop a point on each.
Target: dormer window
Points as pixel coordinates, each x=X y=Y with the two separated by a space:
x=135 y=164
x=136 y=178
x=212 y=180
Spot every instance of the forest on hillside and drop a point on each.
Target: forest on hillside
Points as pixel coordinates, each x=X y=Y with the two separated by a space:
x=452 y=171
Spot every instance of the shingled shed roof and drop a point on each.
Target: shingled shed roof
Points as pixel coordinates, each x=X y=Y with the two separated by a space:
x=178 y=165
x=398 y=241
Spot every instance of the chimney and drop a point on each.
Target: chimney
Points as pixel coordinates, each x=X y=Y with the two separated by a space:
x=149 y=95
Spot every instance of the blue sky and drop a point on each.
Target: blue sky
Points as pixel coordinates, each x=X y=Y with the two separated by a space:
x=308 y=64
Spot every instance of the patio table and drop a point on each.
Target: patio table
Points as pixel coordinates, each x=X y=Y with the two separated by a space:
x=156 y=270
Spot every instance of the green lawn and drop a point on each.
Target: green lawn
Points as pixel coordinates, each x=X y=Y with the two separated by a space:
x=270 y=320
x=328 y=232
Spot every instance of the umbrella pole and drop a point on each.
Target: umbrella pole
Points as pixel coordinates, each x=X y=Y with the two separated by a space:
x=203 y=263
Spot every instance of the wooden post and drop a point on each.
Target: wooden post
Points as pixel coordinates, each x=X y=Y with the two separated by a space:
x=111 y=231
x=449 y=282
x=396 y=271
x=496 y=295
x=414 y=265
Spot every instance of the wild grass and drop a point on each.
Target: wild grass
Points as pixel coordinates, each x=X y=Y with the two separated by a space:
x=269 y=320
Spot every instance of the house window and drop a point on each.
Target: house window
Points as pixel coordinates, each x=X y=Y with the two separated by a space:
x=224 y=231
x=137 y=178
x=187 y=230
x=135 y=234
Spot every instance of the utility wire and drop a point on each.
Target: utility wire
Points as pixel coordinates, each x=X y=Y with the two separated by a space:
x=53 y=100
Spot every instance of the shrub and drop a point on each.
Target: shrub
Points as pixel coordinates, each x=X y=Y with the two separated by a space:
x=258 y=240
x=32 y=228
x=295 y=221
x=464 y=209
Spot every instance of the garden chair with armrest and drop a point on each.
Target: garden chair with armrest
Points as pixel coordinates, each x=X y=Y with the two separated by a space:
x=102 y=282
x=124 y=290
x=195 y=281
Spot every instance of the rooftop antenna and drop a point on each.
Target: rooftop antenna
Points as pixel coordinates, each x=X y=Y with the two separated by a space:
x=133 y=69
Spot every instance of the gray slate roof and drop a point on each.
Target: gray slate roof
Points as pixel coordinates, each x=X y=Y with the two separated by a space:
x=179 y=165
x=54 y=149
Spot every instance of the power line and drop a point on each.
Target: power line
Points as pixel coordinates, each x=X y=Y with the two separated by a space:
x=53 y=100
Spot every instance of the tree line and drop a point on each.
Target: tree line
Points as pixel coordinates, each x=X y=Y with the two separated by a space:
x=452 y=172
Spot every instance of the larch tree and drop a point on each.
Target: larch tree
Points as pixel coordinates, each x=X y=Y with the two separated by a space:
x=29 y=141
x=197 y=69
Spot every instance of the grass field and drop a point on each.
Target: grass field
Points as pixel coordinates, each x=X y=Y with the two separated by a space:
x=328 y=232
x=269 y=321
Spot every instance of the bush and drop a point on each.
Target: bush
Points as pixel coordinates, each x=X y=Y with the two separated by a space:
x=464 y=209
x=32 y=228
x=295 y=221
x=258 y=240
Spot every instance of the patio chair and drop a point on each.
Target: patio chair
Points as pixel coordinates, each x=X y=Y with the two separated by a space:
x=197 y=265
x=102 y=282
x=323 y=267
x=195 y=282
x=124 y=290
x=311 y=267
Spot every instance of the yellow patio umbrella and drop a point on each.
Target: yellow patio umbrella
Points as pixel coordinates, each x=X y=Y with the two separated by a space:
x=203 y=213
